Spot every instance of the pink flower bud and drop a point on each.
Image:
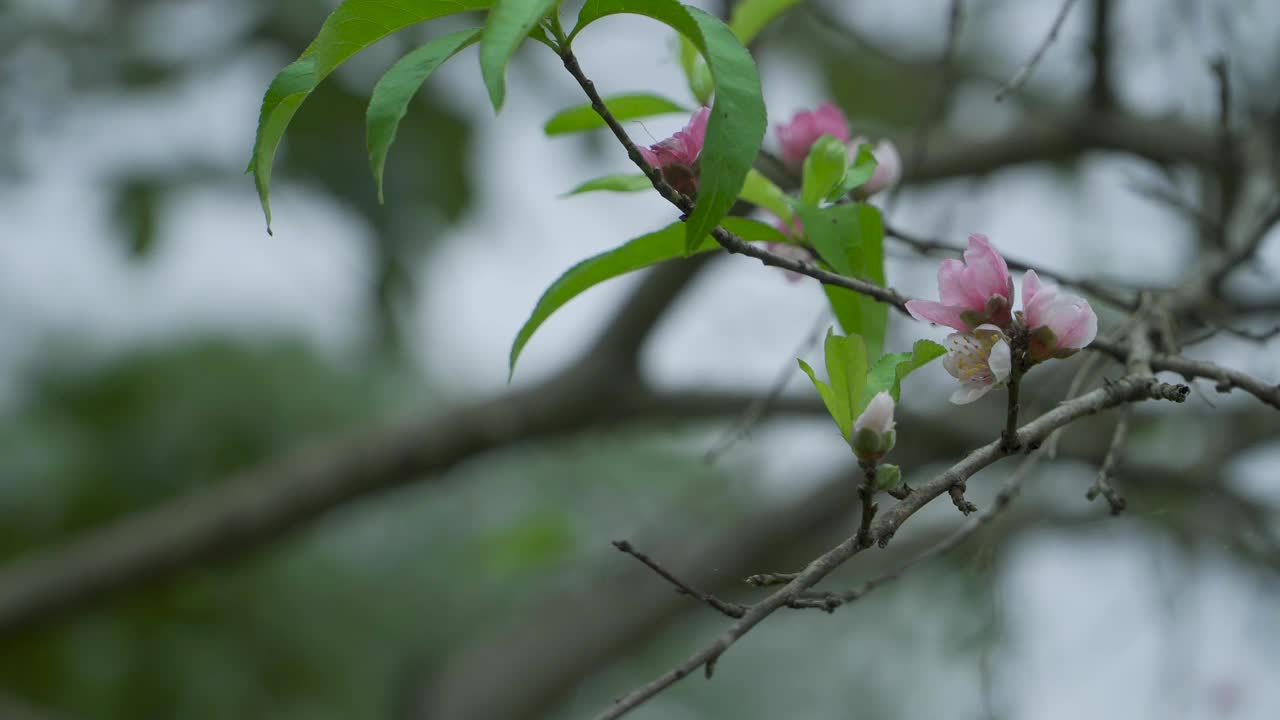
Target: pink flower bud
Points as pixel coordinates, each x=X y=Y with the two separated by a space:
x=1059 y=324
x=888 y=167
x=980 y=360
x=797 y=136
x=974 y=292
x=677 y=156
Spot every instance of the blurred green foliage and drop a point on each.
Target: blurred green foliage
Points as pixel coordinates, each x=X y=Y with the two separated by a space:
x=335 y=620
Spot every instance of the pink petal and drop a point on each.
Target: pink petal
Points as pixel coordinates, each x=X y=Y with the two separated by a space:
x=830 y=120
x=1073 y=322
x=888 y=168
x=953 y=286
x=797 y=136
x=930 y=311
x=988 y=273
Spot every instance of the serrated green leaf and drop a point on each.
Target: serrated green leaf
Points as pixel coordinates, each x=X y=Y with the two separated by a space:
x=353 y=26
x=650 y=249
x=737 y=123
x=889 y=370
x=858 y=173
x=390 y=99
x=824 y=167
x=850 y=239
x=749 y=17
x=825 y=392
x=761 y=192
x=509 y=22
x=614 y=183
x=623 y=107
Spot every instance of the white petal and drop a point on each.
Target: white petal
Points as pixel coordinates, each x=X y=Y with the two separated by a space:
x=1000 y=361
x=968 y=393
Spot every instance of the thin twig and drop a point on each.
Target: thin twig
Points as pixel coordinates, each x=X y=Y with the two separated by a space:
x=1228 y=170
x=866 y=493
x=1101 y=92
x=941 y=91
x=1126 y=389
x=1225 y=378
x=959 y=500
x=1026 y=70
x=1018 y=366
x=828 y=600
x=731 y=609
x=1102 y=483
x=757 y=409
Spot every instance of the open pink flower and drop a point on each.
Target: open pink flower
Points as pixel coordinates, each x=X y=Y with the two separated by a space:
x=1059 y=323
x=888 y=167
x=974 y=292
x=980 y=360
x=677 y=156
x=797 y=136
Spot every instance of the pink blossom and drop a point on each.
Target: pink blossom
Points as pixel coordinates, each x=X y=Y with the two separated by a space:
x=974 y=292
x=1059 y=324
x=980 y=360
x=797 y=136
x=888 y=166
x=682 y=148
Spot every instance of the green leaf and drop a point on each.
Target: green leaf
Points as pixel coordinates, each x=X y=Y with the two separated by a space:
x=737 y=124
x=846 y=357
x=353 y=26
x=614 y=183
x=850 y=239
x=389 y=101
x=655 y=247
x=751 y=16
x=623 y=107
x=835 y=350
x=761 y=192
x=696 y=73
x=859 y=172
x=508 y=24
x=824 y=168
x=826 y=393
x=889 y=370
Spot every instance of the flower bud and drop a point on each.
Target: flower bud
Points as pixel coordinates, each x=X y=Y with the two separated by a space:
x=873 y=435
x=888 y=476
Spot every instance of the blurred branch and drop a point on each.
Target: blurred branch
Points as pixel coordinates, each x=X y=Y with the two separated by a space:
x=1025 y=71
x=1156 y=139
x=1102 y=93
x=264 y=503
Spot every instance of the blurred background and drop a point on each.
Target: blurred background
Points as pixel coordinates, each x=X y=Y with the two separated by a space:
x=157 y=342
